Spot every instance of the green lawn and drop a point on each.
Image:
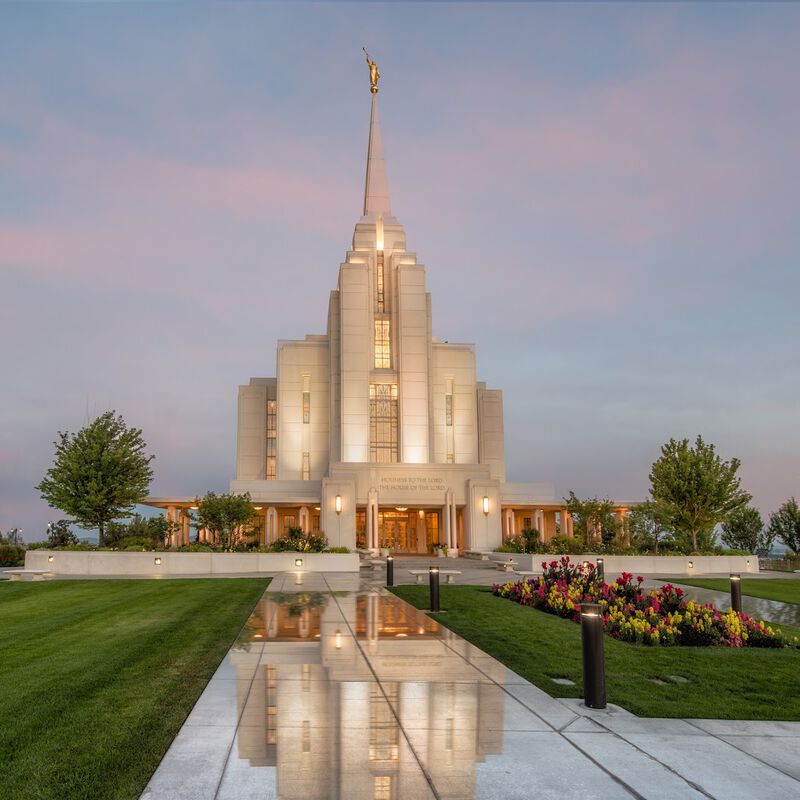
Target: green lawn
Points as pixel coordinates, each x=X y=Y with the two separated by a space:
x=97 y=677
x=722 y=682
x=787 y=590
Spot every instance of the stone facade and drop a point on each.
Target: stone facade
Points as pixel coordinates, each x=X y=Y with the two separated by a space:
x=378 y=418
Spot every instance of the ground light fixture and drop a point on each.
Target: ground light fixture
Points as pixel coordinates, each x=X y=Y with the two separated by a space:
x=601 y=574
x=433 y=580
x=736 y=593
x=485 y=504
x=157 y=561
x=389 y=570
x=338 y=504
x=50 y=559
x=691 y=565
x=298 y=562
x=594 y=668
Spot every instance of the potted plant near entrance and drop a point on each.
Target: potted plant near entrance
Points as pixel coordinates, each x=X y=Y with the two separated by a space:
x=441 y=550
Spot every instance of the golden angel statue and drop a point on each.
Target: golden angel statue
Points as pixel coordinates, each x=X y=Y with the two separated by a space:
x=374 y=75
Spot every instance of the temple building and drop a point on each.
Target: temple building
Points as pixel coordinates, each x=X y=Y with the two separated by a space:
x=378 y=433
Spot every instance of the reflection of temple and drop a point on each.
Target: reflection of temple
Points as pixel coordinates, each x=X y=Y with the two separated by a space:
x=316 y=713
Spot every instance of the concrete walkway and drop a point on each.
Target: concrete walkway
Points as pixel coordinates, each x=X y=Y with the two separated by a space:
x=338 y=689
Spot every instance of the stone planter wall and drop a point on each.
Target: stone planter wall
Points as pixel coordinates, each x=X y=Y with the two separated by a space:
x=116 y=564
x=642 y=565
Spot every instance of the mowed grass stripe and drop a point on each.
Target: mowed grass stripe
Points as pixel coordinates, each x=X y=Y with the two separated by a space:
x=723 y=683
x=96 y=677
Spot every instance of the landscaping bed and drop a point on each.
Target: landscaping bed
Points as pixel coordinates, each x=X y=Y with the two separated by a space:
x=97 y=677
x=658 y=617
x=699 y=682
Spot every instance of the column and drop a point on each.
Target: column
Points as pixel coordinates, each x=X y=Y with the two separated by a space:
x=272 y=524
x=538 y=523
x=453 y=523
x=304 y=519
x=446 y=518
x=186 y=528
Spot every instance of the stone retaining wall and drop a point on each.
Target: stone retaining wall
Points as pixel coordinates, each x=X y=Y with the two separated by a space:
x=79 y=562
x=642 y=565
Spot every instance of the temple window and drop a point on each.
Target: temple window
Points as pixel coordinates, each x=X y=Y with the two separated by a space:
x=383 y=351
x=383 y=417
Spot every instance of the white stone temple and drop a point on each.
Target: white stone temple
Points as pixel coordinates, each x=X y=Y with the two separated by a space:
x=378 y=433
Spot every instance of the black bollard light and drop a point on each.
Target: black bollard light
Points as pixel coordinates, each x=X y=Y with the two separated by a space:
x=389 y=571
x=736 y=593
x=594 y=668
x=601 y=575
x=433 y=575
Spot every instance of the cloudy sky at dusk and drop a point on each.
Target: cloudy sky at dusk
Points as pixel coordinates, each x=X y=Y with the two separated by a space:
x=606 y=200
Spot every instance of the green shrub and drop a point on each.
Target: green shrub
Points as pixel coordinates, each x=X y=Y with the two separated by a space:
x=337 y=550
x=297 y=541
x=11 y=555
x=511 y=546
x=197 y=547
x=37 y=546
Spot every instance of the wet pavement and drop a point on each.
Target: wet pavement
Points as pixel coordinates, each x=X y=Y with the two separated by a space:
x=769 y=610
x=338 y=690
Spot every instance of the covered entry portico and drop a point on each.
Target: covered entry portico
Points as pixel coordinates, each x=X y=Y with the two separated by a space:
x=406 y=531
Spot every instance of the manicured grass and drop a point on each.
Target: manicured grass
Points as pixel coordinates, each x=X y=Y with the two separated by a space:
x=787 y=590
x=97 y=677
x=722 y=682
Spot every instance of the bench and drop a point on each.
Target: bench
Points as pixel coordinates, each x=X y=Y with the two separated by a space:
x=480 y=555
x=420 y=572
x=527 y=574
x=36 y=574
x=376 y=563
x=506 y=566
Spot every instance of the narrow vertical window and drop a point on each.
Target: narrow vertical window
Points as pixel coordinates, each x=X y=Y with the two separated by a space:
x=383 y=416
x=306 y=408
x=379 y=283
x=448 y=421
x=383 y=352
x=306 y=466
x=272 y=439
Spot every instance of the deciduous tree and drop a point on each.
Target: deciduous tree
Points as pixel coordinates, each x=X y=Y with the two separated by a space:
x=694 y=489
x=785 y=524
x=98 y=473
x=229 y=517
x=744 y=530
x=592 y=519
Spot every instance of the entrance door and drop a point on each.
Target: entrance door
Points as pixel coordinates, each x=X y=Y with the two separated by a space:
x=397 y=531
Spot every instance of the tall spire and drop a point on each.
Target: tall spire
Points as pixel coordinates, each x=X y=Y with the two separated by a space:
x=376 y=188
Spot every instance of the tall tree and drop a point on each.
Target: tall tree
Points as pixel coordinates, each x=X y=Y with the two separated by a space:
x=229 y=517
x=785 y=524
x=593 y=519
x=744 y=530
x=98 y=473
x=694 y=489
x=646 y=526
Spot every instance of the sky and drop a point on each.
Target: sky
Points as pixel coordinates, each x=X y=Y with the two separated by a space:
x=605 y=197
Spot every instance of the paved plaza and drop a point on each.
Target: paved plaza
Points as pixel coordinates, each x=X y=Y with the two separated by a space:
x=338 y=689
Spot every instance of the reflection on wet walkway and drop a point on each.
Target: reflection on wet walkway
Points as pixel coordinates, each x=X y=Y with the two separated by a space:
x=769 y=610
x=338 y=690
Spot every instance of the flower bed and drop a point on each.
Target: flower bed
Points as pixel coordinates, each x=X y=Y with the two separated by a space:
x=656 y=617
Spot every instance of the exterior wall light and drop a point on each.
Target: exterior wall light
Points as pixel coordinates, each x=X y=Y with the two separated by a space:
x=338 y=640
x=157 y=561
x=485 y=504
x=50 y=559
x=338 y=504
x=691 y=565
x=298 y=562
x=258 y=508
x=194 y=508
